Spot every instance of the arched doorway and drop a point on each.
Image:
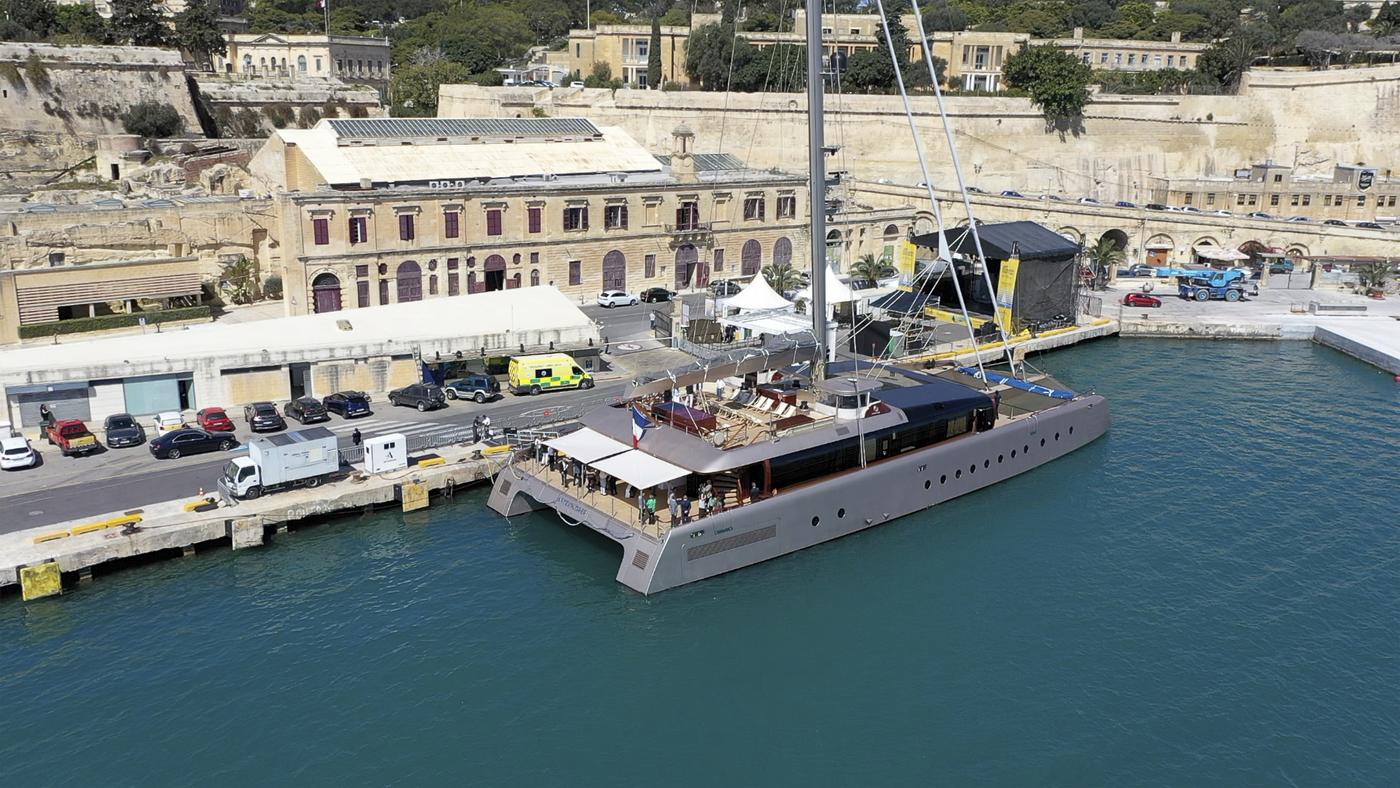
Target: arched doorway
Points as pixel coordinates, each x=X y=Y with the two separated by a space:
x=833 y=249
x=891 y=238
x=325 y=293
x=1119 y=238
x=1071 y=234
x=495 y=273
x=782 y=251
x=410 y=281
x=614 y=271
x=750 y=258
x=1254 y=250
x=1158 y=250
x=686 y=259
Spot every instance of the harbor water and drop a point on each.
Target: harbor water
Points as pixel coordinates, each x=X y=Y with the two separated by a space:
x=1207 y=596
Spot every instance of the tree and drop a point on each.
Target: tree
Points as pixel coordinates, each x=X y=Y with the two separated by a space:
x=709 y=53
x=37 y=17
x=1373 y=275
x=1228 y=60
x=654 y=55
x=138 y=22
x=1387 y=21
x=416 y=87
x=197 y=30
x=1104 y=257
x=238 y=281
x=944 y=16
x=782 y=277
x=601 y=77
x=80 y=24
x=871 y=268
x=1056 y=81
x=152 y=119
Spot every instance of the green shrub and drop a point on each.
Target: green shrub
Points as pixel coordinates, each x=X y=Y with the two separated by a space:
x=11 y=74
x=105 y=322
x=272 y=287
x=37 y=72
x=280 y=114
x=152 y=119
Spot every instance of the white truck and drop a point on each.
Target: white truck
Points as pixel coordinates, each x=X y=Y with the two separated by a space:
x=281 y=462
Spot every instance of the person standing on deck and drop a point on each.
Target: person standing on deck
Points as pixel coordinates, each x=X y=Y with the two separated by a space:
x=685 y=509
x=674 y=504
x=651 y=506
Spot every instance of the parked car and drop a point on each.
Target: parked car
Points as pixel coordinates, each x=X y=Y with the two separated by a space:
x=612 y=298
x=71 y=436
x=477 y=386
x=575 y=84
x=975 y=190
x=1156 y=206
x=1125 y=204
x=349 y=404
x=1259 y=215
x=122 y=429
x=1221 y=212
x=423 y=396
x=1089 y=201
x=307 y=410
x=1299 y=219
x=169 y=421
x=1279 y=266
x=654 y=295
x=1053 y=197
x=1141 y=299
x=263 y=417
x=17 y=453
x=723 y=288
x=1369 y=225
x=1190 y=209
x=1012 y=193
x=1335 y=222
x=214 y=420
x=191 y=440
x=1140 y=269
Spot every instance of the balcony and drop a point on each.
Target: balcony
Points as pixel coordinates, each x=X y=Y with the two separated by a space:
x=694 y=233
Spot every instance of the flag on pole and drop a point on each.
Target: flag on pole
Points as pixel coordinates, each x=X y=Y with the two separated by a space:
x=640 y=425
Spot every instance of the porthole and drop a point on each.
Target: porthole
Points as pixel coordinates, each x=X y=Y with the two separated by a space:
x=1042 y=441
x=972 y=468
x=987 y=463
x=943 y=479
x=1000 y=457
x=1057 y=436
x=958 y=475
x=816 y=521
x=1026 y=449
x=842 y=511
x=1013 y=454
x=928 y=484
x=1071 y=429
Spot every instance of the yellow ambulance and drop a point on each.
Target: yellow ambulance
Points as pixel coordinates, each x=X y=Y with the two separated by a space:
x=547 y=372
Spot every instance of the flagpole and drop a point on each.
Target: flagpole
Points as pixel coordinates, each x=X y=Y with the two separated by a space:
x=326 y=5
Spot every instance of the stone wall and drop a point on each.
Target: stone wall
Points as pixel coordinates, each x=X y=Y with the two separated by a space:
x=1313 y=119
x=307 y=100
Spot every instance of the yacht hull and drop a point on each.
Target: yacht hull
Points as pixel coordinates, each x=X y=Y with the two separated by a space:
x=823 y=510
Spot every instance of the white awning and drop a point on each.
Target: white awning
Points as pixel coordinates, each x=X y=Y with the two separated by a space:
x=639 y=469
x=587 y=445
x=757 y=294
x=1217 y=253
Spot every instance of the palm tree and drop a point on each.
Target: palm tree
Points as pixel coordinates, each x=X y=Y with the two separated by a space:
x=1103 y=257
x=782 y=277
x=871 y=269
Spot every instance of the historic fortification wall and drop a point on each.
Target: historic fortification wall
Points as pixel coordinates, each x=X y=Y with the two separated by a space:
x=304 y=101
x=1315 y=119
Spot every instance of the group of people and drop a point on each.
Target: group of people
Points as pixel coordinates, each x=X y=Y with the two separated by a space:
x=706 y=500
x=481 y=428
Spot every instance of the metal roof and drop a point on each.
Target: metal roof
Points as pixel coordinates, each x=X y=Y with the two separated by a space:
x=711 y=162
x=380 y=128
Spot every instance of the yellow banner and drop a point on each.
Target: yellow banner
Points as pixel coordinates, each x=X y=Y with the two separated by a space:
x=904 y=257
x=1006 y=291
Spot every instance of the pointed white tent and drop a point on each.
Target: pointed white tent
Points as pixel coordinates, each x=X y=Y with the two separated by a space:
x=757 y=294
x=836 y=291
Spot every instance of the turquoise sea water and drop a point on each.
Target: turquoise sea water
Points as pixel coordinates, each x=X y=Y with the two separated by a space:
x=1210 y=595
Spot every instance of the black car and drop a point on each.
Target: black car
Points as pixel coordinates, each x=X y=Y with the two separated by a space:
x=423 y=396
x=1125 y=204
x=349 y=404
x=475 y=386
x=263 y=417
x=121 y=430
x=653 y=295
x=1370 y=225
x=307 y=410
x=1156 y=206
x=723 y=288
x=190 y=440
x=1335 y=222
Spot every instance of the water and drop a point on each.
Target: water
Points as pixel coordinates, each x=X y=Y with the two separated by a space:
x=1206 y=596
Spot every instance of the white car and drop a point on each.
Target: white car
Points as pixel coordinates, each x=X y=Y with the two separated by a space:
x=168 y=421
x=17 y=453
x=575 y=84
x=612 y=298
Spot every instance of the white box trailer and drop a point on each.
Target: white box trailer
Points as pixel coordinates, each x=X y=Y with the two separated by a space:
x=280 y=462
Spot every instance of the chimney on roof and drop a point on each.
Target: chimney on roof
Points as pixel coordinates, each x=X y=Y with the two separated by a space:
x=683 y=153
x=1078 y=34
x=1176 y=37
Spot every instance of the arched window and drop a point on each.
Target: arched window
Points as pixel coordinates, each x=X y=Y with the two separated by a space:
x=325 y=293
x=534 y=277
x=495 y=278
x=301 y=63
x=782 y=251
x=248 y=64
x=410 y=281
x=750 y=258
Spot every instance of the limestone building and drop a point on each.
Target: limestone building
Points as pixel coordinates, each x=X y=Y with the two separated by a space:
x=382 y=211
x=285 y=56
x=1354 y=193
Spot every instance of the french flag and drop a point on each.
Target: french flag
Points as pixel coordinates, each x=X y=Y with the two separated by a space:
x=640 y=425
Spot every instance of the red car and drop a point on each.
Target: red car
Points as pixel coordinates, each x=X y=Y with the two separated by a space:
x=1141 y=299
x=214 y=420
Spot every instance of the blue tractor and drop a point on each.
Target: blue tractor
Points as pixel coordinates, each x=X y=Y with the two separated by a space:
x=1206 y=284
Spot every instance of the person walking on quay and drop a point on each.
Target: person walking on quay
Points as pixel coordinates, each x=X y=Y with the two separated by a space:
x=476 y=429
x=486 y=427
x=685 y=509
x=355 y=437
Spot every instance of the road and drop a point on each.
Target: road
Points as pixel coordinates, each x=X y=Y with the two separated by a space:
x=68 y=488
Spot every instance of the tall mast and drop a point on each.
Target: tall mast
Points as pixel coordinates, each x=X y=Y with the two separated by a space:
x=816 y=164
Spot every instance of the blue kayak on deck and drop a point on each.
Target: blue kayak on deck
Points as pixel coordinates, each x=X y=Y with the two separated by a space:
x=1016 y=383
